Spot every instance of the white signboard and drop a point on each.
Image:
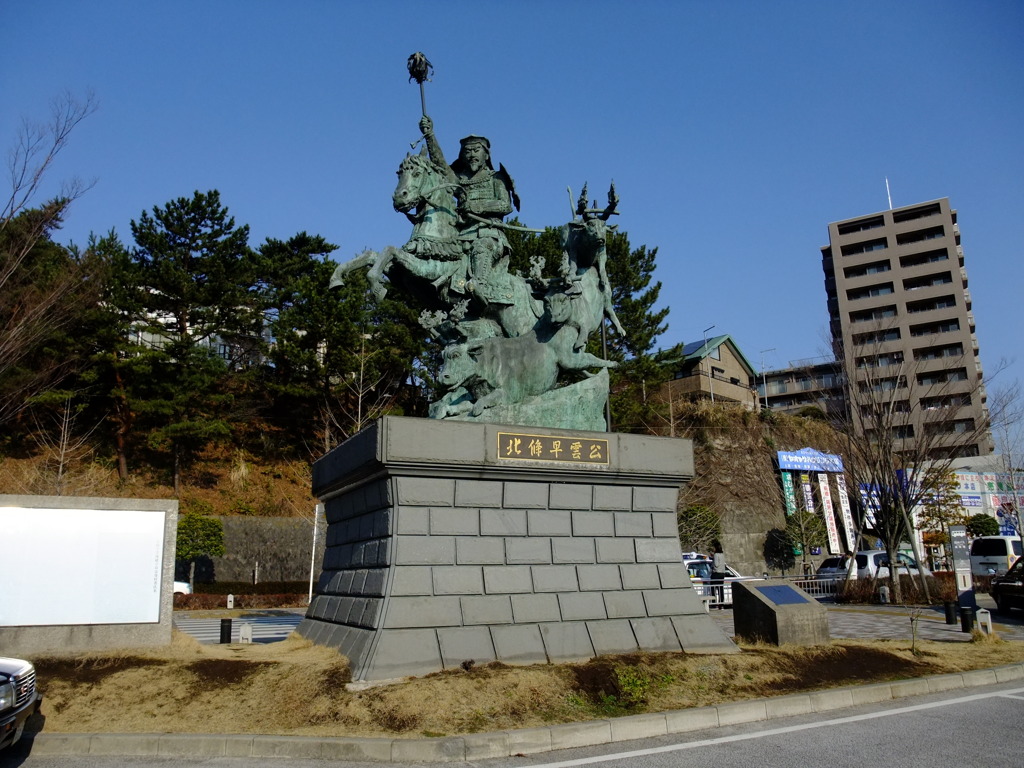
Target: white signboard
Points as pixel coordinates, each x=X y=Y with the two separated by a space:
x=80 y=566
x=834 y=547
x=844 y=508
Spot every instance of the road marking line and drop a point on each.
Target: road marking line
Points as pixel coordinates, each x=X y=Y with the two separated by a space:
x=778 y=731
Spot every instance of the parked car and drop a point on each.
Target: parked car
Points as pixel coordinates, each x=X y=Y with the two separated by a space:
x=182 y=588
x=992 y=555
x=875 y=564
x=717 y=590
x=833 y=568
x=19 y=699
x=1008 y=588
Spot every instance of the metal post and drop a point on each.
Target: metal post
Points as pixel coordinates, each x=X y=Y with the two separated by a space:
x=764 y=380
x=317 y=508
x=711 y=373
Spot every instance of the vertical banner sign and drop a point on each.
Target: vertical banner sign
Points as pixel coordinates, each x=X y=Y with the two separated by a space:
x=834 y=547
x=805 y=481
x=788 y=493
x=844 y=509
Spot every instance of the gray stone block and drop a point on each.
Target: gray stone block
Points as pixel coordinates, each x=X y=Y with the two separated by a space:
x=533 y=609
x=615 y=551
x=567 y=641
x=612 y=636
x=633 y=524
x=503 y=522
x=411 y=580
x=601 y=578
x=400 y=653
x=613 y=497
x=581 y=606
x=573 y=735
x=674 y=576
x=413 y=520
x=457 y=521
x=572 y=550
x=638 y=727
x=355 y=750
x=657 y=551
x=479 y=551
x=665 y=602
x=478 y=493
x=458 y=580
x=738 y=712
x=624 y=605
x=407 y=612
x=525 y=495
x=570 y=496
x=482 y=746
x=655 y=634
x=529 y=550
x=547 y=522
x=425 y=550
x=374 y=584
x=593 y=524
x=655 y=499
x=465 y=644
x=698 y=635
x=555 y=578
x=665 y=524
x=489 y=609
x=519 y=644
x=426 y=491
x=507 y=579
x=640 y=576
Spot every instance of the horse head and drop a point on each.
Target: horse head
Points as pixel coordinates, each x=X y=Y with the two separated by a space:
x=418 y=180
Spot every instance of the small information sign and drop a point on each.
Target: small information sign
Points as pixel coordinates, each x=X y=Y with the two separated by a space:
x=561 y=448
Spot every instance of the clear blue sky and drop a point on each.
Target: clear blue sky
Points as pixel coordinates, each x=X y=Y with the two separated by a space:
x=734 y=131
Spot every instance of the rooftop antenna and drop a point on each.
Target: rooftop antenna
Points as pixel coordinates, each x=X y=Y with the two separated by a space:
x=887 y=193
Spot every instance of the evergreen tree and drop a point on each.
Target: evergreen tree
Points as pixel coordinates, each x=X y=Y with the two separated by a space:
x=199 y=313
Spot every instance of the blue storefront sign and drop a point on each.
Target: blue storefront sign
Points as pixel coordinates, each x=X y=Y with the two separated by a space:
x=810 y=460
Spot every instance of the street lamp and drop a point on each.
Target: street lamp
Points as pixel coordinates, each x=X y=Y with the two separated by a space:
x=764 y=381
x=711 y=373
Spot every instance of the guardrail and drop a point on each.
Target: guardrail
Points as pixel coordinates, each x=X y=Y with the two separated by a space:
x=718 y=594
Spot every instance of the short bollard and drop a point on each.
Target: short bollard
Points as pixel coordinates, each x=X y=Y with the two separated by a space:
x=231 y=601
x=950 y=607
x=883 y=595
x=966 y=618
x=984 y=620
x=225 y=630
x=245 y=632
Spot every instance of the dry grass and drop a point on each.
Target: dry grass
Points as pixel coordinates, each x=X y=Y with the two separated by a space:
x=296 y=688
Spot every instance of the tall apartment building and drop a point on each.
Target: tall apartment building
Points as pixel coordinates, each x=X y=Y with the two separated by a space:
x=901 y=321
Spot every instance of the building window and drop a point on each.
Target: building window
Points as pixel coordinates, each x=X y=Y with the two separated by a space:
x=917 y=213
x=867 y=246
x=934 y=353
x=942 y=377
x=920 y=235
x=878 y=313
x=877 y=337
x=931 y=329
x=861 y=225
x=927 y=305
x=926 y=257
x=928 y=281
x=882 y=289
x=959 y=400
x=874 y=268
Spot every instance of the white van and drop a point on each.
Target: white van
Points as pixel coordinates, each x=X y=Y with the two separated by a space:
x=994 y=554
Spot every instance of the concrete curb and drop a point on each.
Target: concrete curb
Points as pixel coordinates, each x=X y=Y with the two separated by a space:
x=525 y=741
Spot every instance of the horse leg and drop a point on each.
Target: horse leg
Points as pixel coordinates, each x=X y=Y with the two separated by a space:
x=380 y=268
x=363 y=260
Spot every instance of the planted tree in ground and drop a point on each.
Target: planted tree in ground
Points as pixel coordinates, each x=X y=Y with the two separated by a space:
x=198 y=536
x=904 y=428
x=982 y=525
x=939 y=510
x=198 y=313
x=43 y=286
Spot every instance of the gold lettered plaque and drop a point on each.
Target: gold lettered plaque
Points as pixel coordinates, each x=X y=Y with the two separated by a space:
x=568 y=449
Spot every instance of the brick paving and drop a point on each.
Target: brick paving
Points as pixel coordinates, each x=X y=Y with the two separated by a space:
x=893 y=622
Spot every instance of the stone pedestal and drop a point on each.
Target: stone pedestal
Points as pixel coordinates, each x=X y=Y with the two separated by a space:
x=455 y=542
x=778 y=612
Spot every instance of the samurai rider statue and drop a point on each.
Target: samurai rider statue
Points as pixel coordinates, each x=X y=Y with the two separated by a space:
x=484 y=197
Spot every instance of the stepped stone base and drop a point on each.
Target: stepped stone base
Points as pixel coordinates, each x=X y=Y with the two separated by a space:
x=455 y=542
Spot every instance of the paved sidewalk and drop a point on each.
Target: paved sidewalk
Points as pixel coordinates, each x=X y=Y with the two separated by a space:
x=893 y=622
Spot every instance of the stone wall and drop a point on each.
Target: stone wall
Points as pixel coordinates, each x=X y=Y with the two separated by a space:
x=439 y=553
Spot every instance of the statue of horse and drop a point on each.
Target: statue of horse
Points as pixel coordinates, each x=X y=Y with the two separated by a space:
x=432 y=263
